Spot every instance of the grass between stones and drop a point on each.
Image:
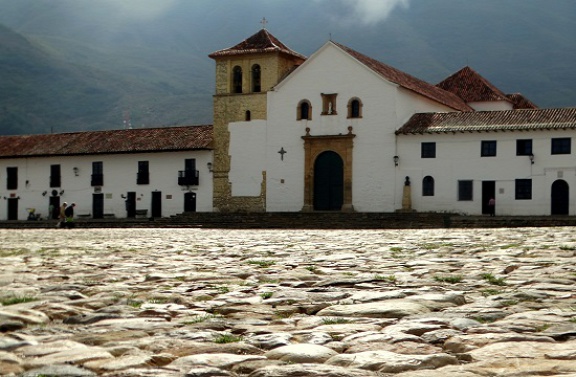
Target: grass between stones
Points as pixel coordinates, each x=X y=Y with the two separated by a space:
x=227 y=338
x=388 y=278
x=334 y=321
x=262 y=263
x=266 y=295
x=493 y=279
x=452 y=279
x=17 y=300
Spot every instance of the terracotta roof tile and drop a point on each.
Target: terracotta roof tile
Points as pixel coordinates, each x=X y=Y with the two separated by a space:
x=261 y=42
x=509 y=120
x=521 y=102
x=409 y=82
x=108 y=142
x=471 y=87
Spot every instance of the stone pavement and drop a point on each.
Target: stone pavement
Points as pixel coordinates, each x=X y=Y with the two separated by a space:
x=287 y=303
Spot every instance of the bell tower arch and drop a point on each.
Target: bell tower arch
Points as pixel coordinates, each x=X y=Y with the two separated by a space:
x=244 y=74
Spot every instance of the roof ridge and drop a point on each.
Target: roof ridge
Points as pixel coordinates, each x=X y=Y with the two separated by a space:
x=516 y=119
x=139 y=140
x=471 y=86
x=407 y=81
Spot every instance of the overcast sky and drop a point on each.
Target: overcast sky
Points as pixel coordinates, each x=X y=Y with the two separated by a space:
x=365 y=11
x=502 y=39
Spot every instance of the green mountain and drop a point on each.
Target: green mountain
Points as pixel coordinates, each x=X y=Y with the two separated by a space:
x=39 y=93
x=42 y=90
x=82 y=64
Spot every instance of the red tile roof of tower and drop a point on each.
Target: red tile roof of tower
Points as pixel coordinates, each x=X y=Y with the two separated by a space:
x=261 y=42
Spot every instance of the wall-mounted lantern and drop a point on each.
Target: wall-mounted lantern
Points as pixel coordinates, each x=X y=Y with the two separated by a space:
x=396 y=159
x=76 y=171
x=531 y=157
x=209 y=165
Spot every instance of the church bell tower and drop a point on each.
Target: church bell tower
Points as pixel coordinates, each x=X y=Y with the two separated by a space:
x=244 y=74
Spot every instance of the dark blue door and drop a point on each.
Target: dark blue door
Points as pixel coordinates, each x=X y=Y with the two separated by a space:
x=560 y=197
x=131 y=204
x=190 y=202
x=156 y=204
x=98 y=206
x=12 y=208
x=328 y=182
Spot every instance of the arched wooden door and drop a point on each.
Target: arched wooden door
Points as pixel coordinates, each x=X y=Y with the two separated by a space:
x=328 y=182
x=560 y=198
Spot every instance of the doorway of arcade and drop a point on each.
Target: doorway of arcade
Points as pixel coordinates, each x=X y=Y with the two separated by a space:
x=488 y=192
x=560 y=198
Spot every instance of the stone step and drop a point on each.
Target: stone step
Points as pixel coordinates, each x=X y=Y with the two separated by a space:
x=313 y=220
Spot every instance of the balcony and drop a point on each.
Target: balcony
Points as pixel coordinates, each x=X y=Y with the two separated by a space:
x=188 y=178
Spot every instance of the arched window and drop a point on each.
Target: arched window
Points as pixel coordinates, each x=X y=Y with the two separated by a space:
x=248 y=116
x=428 y=186
x=355 y=108
x=304 y=110
x=237 y=80
x=256 y=86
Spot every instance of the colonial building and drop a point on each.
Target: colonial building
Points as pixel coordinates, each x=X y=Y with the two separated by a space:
x=338 y=131
x=245 y=75
x=152 y=172
x=344 y=132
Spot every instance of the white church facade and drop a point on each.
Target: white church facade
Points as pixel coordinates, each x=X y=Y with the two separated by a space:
x=337 y=131
x=344 y=132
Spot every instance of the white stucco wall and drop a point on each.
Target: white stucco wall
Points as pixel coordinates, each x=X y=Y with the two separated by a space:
x=247 y=148
x=491 y=105
x=120 y=172
x=385 y=108
x=458 y=158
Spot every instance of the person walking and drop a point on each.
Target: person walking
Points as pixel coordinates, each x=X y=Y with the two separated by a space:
x=69 y=213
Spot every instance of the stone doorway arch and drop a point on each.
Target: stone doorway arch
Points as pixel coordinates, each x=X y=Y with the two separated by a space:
x=314 y=147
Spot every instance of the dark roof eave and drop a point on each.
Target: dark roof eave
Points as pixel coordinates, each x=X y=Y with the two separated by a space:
x=490 y=121
x=483 y=129
x=225 y=53
x=145 y=140
x=44 y=155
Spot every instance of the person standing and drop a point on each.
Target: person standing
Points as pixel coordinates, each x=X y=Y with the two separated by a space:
x=492 y=207
x=62 y=215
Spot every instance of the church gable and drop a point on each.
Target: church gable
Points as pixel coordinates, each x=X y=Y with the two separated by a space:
x=408 y=81
x=386 y=73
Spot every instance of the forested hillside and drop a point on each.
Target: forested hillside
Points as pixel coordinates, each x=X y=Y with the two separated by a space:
x=71 y=65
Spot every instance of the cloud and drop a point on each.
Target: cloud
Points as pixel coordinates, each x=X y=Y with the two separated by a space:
x=141 y=10
x=368 y=12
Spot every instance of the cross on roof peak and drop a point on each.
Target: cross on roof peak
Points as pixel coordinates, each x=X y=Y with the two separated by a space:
x=264 y=22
